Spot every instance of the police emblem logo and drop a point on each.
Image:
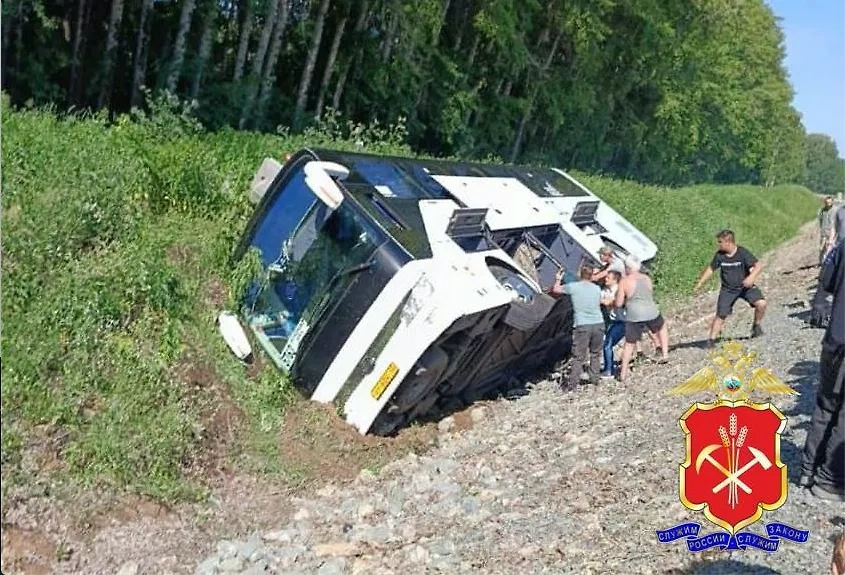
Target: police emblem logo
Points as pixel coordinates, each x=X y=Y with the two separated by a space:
x=732 y=469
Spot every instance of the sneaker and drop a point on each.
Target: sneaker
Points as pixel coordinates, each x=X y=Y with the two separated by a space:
x=756 y=330
x=828 y=494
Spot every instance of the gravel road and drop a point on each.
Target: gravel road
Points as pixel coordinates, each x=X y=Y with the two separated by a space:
x=562 y=483
x=547 y=483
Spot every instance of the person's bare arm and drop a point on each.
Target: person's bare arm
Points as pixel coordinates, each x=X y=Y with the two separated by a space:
x=599 y=275
x=620 y=294
x=705 y=275
x=557 y=287
x=753 y=274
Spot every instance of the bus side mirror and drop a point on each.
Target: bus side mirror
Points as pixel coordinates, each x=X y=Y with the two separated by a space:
x=265 y=175
x=318 y=177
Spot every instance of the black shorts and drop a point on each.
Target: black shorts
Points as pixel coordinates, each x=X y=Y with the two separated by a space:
x=634 y=329
x=727 y=299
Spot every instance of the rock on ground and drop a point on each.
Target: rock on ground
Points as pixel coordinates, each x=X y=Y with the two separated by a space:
x=565 y=483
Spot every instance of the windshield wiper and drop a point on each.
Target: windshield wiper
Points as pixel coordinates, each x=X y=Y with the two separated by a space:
x=323 y=306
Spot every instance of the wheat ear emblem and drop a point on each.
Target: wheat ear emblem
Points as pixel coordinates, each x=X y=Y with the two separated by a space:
x=732 y=442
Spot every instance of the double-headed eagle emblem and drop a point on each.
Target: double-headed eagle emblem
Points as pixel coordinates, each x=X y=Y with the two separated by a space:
x=732 y=376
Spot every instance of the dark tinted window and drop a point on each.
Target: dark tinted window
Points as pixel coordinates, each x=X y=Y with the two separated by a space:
x=391 y=182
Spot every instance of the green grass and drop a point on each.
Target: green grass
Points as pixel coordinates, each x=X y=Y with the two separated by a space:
x=115 y=263
x=683 y=221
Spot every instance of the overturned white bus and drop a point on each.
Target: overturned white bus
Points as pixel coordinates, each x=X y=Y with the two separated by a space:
x=401 y=289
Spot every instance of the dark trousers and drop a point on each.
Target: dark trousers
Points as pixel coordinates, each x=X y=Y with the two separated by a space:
x=824 y=450
x=614 y=334
x=586 y=342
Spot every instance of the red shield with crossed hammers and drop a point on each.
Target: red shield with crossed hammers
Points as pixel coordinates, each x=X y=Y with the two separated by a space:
x=733 y=469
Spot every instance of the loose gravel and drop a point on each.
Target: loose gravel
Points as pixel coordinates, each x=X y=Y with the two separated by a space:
x=563 y=482
x=548 y=483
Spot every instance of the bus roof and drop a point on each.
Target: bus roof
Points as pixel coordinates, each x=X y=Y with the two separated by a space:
x=389 y=188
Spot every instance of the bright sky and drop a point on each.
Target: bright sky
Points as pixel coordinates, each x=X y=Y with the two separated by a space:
x=815 y=60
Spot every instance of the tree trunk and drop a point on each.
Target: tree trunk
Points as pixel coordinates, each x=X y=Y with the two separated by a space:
x=310 y=62
x=327 y=71
x=80 y=73
x=205 y=47
x=508 y=87
x=360 y=23
x=111 y=45
x=341 y=82
x=465 y=21
x=389 y=38
x=269 y=73
x=264 y=39
x=139 y=70
x=258 y=62
x=243 y=41
x=7 y=30
x=473 y=52
x=441 y=22
x=75 y=50
x=520 y=132
x=422 y=98
x=179 y=45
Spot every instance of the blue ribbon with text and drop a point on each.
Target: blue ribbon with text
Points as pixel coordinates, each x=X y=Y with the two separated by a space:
x=737 y=542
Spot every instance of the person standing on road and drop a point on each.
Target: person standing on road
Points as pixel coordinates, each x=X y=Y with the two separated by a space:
x=588 y=323
x=837 y=231
x=609 y=263
x=823 y=462
x=826 y=219
x=636 y=293
x=615 y=321
x=739 y=270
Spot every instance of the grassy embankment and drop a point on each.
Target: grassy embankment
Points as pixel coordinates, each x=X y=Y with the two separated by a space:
x=115 y=244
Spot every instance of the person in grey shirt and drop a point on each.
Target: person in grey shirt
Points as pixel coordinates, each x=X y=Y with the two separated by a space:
x=588 y=324
x=837 y=231
x=825 y=217
x=636 y=293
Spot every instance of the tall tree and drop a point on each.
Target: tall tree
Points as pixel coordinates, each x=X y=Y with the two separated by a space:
x=310 y=62
x=139 y=69
x=258 y=60
x=76 y=54
x=111 y=46
x=329 y=67
x=824 y=170
x=243 y=39
x=175 y=68
x=208 y=30
x=269 y=73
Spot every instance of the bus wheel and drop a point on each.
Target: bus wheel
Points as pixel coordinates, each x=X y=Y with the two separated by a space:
x=528 y=308
x=426 y=375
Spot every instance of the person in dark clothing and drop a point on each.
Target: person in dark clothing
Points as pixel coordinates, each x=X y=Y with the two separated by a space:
x=739 y=270
x=823 y=463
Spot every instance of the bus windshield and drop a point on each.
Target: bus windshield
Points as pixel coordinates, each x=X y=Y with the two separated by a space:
x=309 y=253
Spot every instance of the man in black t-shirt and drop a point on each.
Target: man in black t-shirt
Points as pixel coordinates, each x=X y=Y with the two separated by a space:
x=739 y=270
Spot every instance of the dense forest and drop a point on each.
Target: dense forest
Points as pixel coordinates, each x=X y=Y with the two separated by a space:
x=669 y=91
